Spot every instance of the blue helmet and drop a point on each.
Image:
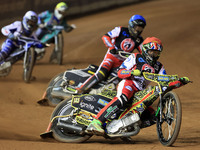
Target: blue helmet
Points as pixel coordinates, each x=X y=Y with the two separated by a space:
x=136 y=25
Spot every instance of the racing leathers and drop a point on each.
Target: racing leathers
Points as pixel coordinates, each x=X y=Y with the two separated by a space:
x=129 y=84
x=13 y=31
x=46 y=20
x=117 y=39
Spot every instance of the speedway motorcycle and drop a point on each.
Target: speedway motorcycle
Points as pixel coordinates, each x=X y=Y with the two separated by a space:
x=71 y=117
x=27 y=53
x=64 y=85
x=53 y=34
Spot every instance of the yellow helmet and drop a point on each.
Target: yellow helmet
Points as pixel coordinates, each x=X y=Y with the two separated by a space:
x=60 y=10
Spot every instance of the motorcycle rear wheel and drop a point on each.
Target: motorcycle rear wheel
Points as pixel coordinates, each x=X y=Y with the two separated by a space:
x=29 y=63
x=169 y=128
x=60 y=49
x=54 y=82
x=65 y=108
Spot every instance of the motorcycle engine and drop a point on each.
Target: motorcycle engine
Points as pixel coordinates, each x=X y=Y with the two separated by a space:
x=120 y=124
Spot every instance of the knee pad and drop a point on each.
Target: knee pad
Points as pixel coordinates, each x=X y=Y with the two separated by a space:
x=123 y=99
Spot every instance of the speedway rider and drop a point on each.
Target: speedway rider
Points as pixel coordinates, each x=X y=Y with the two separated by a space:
x=13 y=31
x=48 y=19
x=120 y=38
x=133 y=81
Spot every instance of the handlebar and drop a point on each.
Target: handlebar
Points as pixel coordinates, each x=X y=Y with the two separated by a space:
x=122 y=53
x=29 y=39
x=22 y=38
x=58 y=28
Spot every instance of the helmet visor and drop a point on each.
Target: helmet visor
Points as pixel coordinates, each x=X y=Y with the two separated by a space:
x=61 y=12
x=154 y=53
x=31 y=23
x=136 y=30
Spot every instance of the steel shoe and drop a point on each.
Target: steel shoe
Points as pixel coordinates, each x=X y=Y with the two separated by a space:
x=95 y=127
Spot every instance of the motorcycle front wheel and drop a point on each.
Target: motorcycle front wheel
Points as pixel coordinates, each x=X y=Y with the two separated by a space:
x=168 y=129
x=29 y=61
x=62 y=109
x=57 y=54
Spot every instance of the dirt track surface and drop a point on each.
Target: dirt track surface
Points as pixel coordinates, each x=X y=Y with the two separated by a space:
x=175 y=22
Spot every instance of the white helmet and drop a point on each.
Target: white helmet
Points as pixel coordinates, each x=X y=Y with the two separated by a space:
x=60 y=10
x=30 y=20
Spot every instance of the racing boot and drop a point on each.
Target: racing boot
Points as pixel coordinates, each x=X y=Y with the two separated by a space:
x=95 y=127
x=87 y=84
x=40 y=53
x=94 y=79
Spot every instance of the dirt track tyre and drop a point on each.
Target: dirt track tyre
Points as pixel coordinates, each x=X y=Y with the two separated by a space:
x=29 y=63
x=65 y=108
x=169 y=128
x=60 y=49
x=55 y=82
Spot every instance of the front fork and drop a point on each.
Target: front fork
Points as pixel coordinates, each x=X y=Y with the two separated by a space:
x=159 y=110
x=56 y=43
x=25 y=58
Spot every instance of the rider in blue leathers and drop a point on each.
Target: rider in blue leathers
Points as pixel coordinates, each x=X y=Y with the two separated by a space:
x=14 y=30
x=48 y=19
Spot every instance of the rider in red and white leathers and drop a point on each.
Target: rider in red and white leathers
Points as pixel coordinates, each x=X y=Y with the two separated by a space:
x=120 y=38
x=133 y=82
x=131 y=73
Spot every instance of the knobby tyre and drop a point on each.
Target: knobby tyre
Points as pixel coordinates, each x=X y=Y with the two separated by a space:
x=60 y=49
x=29 y=63
x=169 y=128
x=53 y=83
x=65 y=108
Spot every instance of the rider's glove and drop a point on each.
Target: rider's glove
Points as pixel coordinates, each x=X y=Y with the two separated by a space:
x=136 y=72
x=184 y=80
x=113 y=51
x=42 y=25
x=14 y=36
x=48 y=25
x=73 y=26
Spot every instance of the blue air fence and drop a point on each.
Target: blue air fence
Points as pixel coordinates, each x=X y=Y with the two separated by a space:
x=12 y=10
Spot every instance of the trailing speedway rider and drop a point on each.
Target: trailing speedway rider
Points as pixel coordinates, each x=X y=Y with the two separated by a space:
x=25 y=27
x=120 y=38
x=48 y=19
x=133 y=81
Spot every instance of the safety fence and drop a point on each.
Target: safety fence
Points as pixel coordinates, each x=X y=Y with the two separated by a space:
x=12 y=10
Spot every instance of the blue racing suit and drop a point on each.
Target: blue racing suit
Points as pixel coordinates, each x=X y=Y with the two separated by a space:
x=12 y=31
x=48 y=19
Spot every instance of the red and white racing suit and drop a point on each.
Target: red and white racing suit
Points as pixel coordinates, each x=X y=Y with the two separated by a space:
x=118 y=38
x=130 y=84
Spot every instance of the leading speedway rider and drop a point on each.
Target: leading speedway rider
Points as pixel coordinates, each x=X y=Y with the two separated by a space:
x=132 y=81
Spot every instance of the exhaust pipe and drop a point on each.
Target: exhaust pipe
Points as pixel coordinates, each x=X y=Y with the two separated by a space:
x=70 y=128
x=59 y=93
